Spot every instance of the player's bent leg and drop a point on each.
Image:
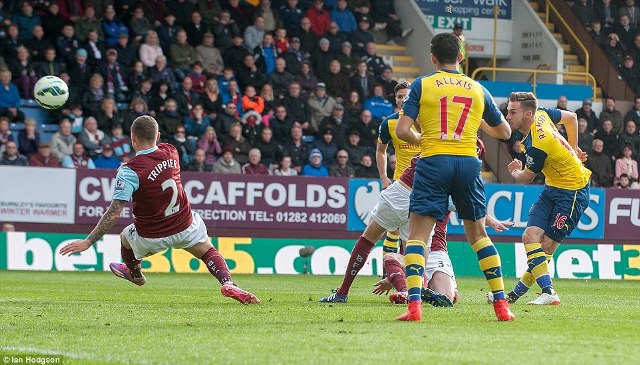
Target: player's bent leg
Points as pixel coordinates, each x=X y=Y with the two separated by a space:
x=394 y=266
x=217 y=266
x=390 y=244
x=129 y=270
x=441 y=290
x=358 y=258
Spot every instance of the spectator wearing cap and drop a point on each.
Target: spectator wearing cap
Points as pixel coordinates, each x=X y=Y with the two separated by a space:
x=294 y=56
x=630 y=73
x=183 y=55
x=88 y=22
x=66 y=44
x=106 y=159
x=280 y=79
x=375 y=63
x=112 y=27
x=80 y=71
x=210 y=56
x=28 y=138
x=265 y=55
x=586 y=112
x=361 y=36
x=227 y=164
x=319 y=18
x=315 y=167
x=338 y=124
x=348 y=61
x=298 y=150
x=362 y=81
x=291 y=15
x=254 y=166
x=337 y=82
x=44 y=158
x=343 y=17
x=321 y=58
x=78 y=159
x=12 y=156
x=609 y=112
x=355 y=149
x=379 y=106
x=308 y=39
x=321 y=106
x=225 y=30
x=327 y=146
x=336 y=38
x=342 y=167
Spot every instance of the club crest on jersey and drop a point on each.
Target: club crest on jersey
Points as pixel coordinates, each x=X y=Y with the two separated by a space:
x=529 y=160
x=119 y=186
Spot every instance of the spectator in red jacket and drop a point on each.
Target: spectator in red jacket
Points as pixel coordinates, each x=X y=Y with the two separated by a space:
x=319 y=18
x=254 y=167
x=43 y=157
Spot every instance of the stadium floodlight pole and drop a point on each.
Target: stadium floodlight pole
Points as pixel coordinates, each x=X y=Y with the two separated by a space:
x=496 y=11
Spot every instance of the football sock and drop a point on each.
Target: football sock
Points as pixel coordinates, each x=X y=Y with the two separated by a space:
x=523 y=285
x=538 y=266
x=217 y=266
x=414 y=258
x=390 y=243
x=489 y=261
x=130 y=260
x=358 y=257
x=395 y=274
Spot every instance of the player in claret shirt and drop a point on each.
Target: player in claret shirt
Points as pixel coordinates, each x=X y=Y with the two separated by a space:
x=162 y=215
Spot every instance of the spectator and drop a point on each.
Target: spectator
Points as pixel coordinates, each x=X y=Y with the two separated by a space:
x=342 y=167
x=614 y=50
x=271 y=19
x=138 y=107
x=23 y=72
x=195 y=29
x=392 y=162
x=337 y=83
x=12 y=156
x=284 y=167
x=388 y=84
x=93 y=96
x=265 y=55
x=198 y=164
x=320 y=105
x=343 y=17
x=252 y=101
x=353 y=106
x=183 y=55
x=315 y=167
x=291 y=15
x=631 y=11
x=185 y=147
x=308 y=39
x=362 y=81
x=106 y=159
x=366 y=169
x=127 y=53
x=626 y=165
x=95 y=49
x=600 y=165
x=169 y=119
x=136 y=78
x=584 y=12
x=281 y=41
x=121 y=144
x=270 y=150
x=167 y=32
x=210 y=145
x=606 y=12
x=150 y=49
x=270 y=102
x=155 y=10
x=338 y=124
x=235 y=55
x=182 y=9
x=186 y=97
x=210 y=56
x=375 y=63
x=306 y=79
x=585 y=139
x=54 y=22
x=379 y=106
x=280 y=79
x=233 y=96
x=321 y=58
x=62 y=141
x=348 y=61
x=163 y=73
x=295 y=148
x=49 y=66
x=211 y=99
x=76 y=117
x=225 y=31
x=226 y=119
x=253 y=166
x=10 y=43
x=29 y=138
x=294 y=56
x=587 y=113
x=281 y=124
x=238 y=144
x=598 y=35
x=254 y=34
x=634 y=113
x=9 y=98
x=609 y=112
x=112 y=27
x=71 y=10
x=624 y=182
x=368 y=128
x=78 y=160
x=562 y=103
x=196 y=122
x=630 y=137
x=625 y=32
x=86 y=23
x=319 y=18
x=609 y=138
x=227 y=164
x=5 y=134
x=80 y=71
x=355 y=149
x=249 y=74
x=26 y=20
x=361 y=36
x=115 y=76
x=44 y=158
x=241 y=12
x=8 y=227
x=326 y=145
x=297 y=105
x=93 y=138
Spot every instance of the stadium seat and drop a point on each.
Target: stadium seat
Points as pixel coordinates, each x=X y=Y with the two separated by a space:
x=28 y=103
x=123 y=106
x=45 y=137
x=38 y=114
x=308 y=139
x=49 y=128
x=16 y=127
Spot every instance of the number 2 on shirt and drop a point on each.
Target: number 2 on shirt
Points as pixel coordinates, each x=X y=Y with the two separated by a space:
x=444 y=116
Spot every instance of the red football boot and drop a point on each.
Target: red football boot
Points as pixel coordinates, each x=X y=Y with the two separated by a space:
x=501 y=307
x=414 y=312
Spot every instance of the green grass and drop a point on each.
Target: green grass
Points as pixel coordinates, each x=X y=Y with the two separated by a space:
x=94 y=318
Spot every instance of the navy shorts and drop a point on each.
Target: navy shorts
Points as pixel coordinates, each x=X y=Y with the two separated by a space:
x=558 y=211
x=440 y=176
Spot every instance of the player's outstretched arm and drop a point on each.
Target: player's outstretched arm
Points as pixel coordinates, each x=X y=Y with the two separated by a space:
x=501 y=131
x=105 y=224
x=570 y=122
x=491 y=221
x=404 y=131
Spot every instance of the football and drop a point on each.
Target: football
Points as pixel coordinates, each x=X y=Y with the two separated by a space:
x=51 y=92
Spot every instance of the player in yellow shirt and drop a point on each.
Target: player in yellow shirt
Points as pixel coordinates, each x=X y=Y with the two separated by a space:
x=450 y=108
x=403 y=150
x=565 y=195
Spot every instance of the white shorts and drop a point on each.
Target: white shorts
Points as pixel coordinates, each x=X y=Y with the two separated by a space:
x=438 y=261
x=143 y=247
x=392 y=210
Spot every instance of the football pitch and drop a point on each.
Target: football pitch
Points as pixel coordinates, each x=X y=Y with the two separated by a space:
x=95 y=318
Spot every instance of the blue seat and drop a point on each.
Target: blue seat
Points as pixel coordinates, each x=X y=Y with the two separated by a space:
x=28 y=103
x=50 y=128
x=16 y=127
x=308 y=139
x=45 y=137
x=123 y=106
x=40 y=115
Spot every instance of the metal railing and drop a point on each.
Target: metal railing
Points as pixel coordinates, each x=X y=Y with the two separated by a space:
x=589 y=79
x=550 y=7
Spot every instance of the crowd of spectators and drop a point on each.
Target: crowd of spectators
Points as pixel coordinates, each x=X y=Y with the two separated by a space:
x=283 y=87
x=611 y=140
x=615 y=26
